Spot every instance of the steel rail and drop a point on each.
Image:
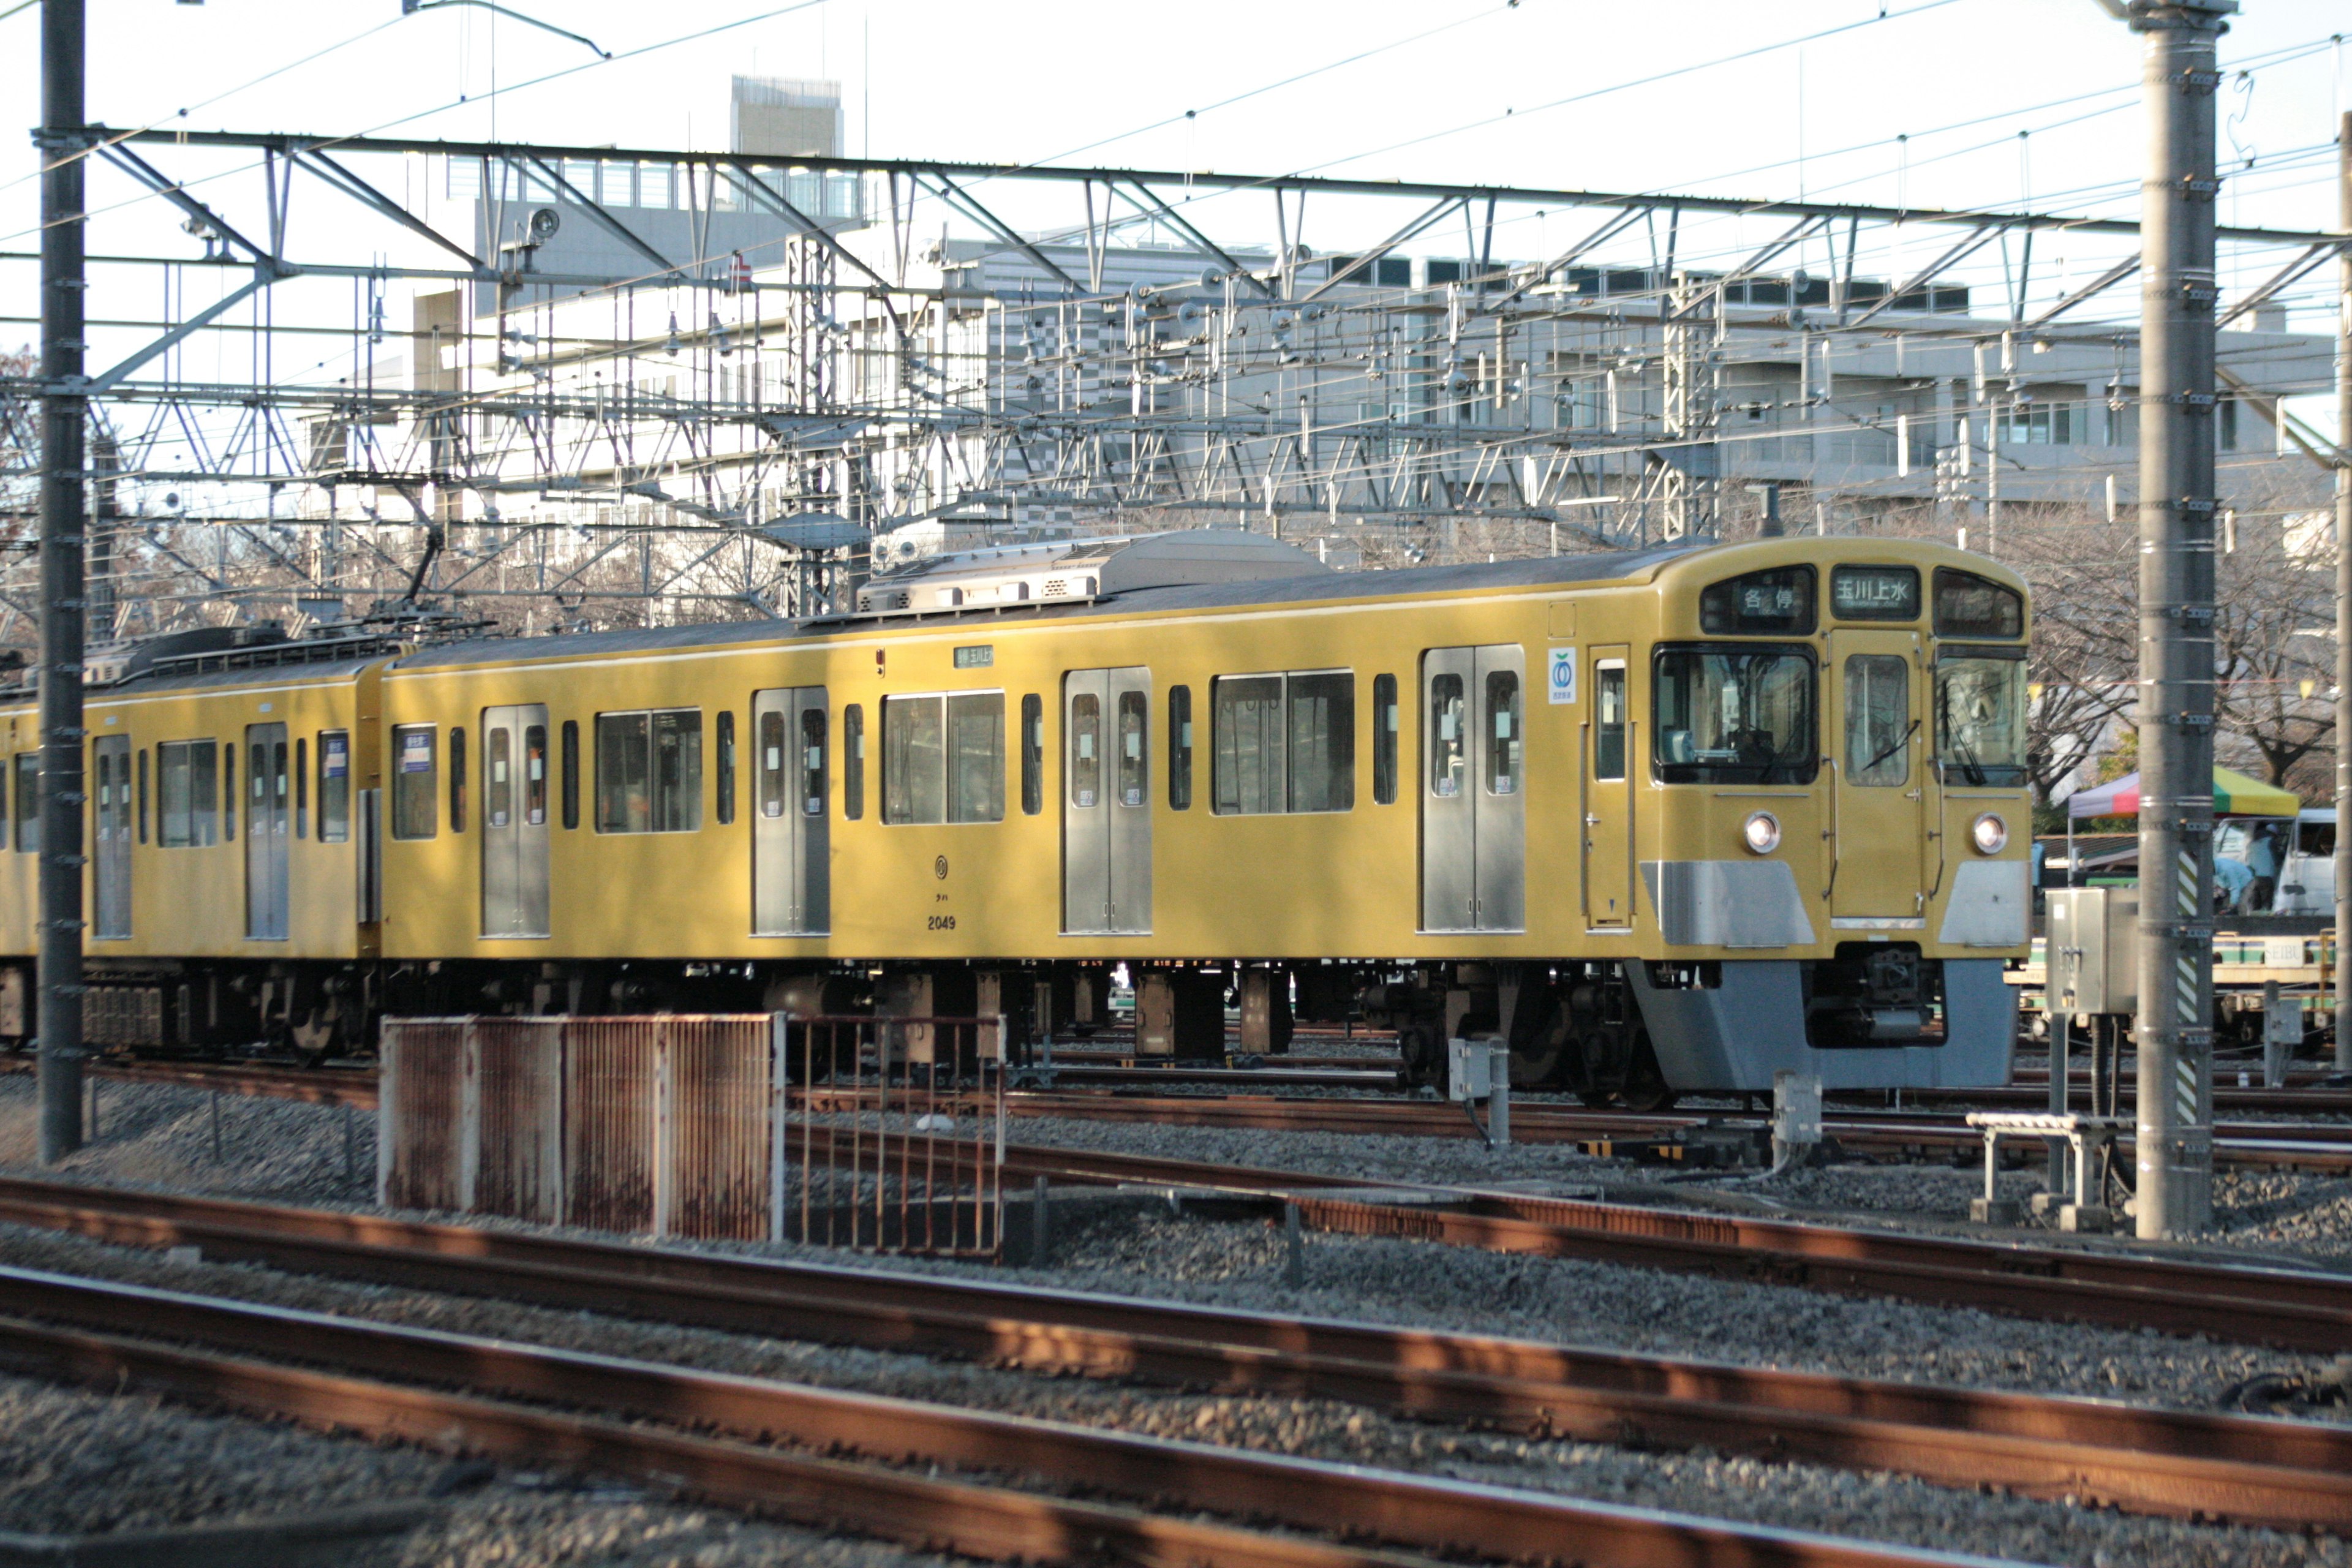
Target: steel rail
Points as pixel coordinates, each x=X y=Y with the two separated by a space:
x=351 y=1087
x=2184 y=1464
x=381 y=1381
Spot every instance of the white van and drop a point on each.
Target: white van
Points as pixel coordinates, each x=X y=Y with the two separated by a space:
x=2303 y=849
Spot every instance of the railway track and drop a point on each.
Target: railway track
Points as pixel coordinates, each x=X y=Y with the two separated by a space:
x=352 y=1087
x=914 y=1471
x=2174 y=1463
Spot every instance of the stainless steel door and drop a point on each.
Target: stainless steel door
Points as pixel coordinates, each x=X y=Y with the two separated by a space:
x=515 y=828
x=791 y=856
x=113 y=862
x=264 y=832
x=1106 y=802
x=1473 y=779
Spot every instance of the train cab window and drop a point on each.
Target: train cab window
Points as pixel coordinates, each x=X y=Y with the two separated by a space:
x=1608 y=722
x=143 y=795
x=1968 y=605
x=187 y=813
x=649 y=772
x=1032 y=754
x=456 y=778
x=498 y=776
x=534 y=774
x=1734 y=714
x=334 y=786
x=1387 y=721
x=571 y=773
x=301 y=787
x=726 y=765
x=771 y=762
x=415 y=812
x=1134 y=761
x=1086 y=750
x=1506 y=748
x=853 y=762
x=812 y=761
x=1283 y=743
x=1449 y=739
x=1981 y=707
x=1179 y=748
x=228 y=791
x=1878 y=722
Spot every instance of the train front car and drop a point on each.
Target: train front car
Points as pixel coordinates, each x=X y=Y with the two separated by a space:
x=1835 y=859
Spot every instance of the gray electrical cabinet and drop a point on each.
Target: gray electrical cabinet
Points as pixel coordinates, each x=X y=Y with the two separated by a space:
x=2091 y=952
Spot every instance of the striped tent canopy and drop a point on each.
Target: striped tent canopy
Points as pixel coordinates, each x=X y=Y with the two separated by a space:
x=2234 y=795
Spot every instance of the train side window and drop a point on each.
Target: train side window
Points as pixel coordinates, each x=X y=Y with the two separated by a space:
x=1246 y=744
x=852 y=762
x=976 y=756
x=1086 y=750
x=143 y=795
x=1387 y=718
x=812 y=761
x=571 y=773
x=334 y=786
x=726 y=765
x=228 y=791
x=1032 y=754
x=415 y=812
x=301 y=786
x=1608 y=722
x=186 y=815
x=1505 y=747
x=1322 y=741
x=456 y=778
x=649 y=772
x=1179 y=748
x=1449 y=740
x=4 y=793
x=1283 y=743
x=534 y=774
x=771 y=762
x=28 y=788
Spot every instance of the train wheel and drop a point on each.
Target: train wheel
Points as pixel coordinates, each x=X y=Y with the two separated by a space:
x=1646 y=1089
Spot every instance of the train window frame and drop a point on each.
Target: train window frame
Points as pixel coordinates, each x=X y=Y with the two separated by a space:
x=416 y=784
x=724 y=744
x=1948 y=623
x=499 y=778
x=301 y=786
x=28 y=835
x=535 y=775
x=334 y=789
x=1609 y=735
x=1691 y=771
x=1507 y=741
x=1877 y=741
x=196 y=763
x=7 y=831
x=570 y=775
x=672 y=796
x=1131 y=715
x=228 y=793
x=1033 y=754
x=1327 y=751
x=143 y=795
x=456 y=778
x=1179 y=748
x=943 y=758
x=1721 y=615
x=852 y=762
x=1388 y=723
x=1949 y=657
x=815 y=757
x=1889 y=573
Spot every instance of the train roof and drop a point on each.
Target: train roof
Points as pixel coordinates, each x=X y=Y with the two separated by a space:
x=1541 y=571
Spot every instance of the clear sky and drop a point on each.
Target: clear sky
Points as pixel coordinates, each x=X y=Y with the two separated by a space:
x=1055 y=79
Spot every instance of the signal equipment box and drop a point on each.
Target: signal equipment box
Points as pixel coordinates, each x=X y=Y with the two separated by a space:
x=2091 y=955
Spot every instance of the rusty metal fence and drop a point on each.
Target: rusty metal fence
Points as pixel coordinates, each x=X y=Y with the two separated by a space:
x=885 y=1134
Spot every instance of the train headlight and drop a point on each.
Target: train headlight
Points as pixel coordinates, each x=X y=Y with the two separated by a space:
x=1989 y=834
x=1761 y=832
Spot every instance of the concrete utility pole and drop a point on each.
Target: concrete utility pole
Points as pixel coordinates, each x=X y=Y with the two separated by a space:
x=64 y=522
x=2175 y=1027
x=2344 y=602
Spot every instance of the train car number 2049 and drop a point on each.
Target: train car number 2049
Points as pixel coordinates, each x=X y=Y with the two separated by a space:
x=942 y=923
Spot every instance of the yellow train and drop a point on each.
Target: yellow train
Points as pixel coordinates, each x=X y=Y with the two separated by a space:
x=1665 y=820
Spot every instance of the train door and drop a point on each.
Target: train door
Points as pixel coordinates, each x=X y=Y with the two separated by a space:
x=1609 y=796
x=792 y=855
x=1106 y=802
x=113 y=862
x=1877 y=781
x=514 y=821
x=1473 y=812
x=264 y=832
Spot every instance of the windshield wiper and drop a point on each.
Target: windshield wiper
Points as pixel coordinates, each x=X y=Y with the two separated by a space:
x=1894 y=746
